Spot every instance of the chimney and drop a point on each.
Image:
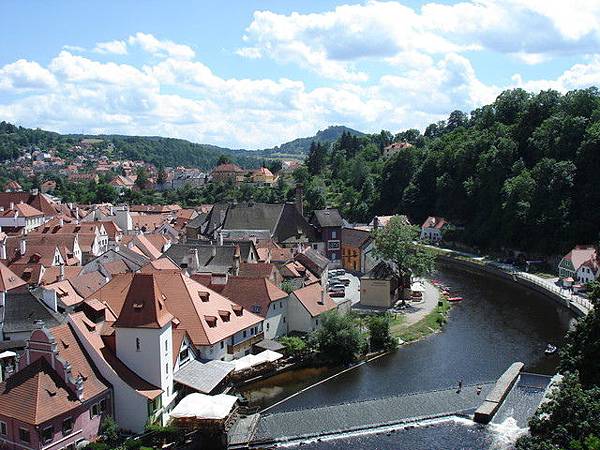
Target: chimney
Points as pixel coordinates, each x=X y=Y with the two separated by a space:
x=300 y=198
x=195 y=261
x=77 y=213
x=12 y=205
x=61 y=273
x=322 y=301
x=3 y=249
x=22 y=246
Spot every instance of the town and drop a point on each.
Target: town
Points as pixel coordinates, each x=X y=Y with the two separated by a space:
x=359 y=224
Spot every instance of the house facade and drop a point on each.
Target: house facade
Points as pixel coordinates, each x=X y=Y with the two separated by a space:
x=432 y=229
x=329 y=225
x=56 y=399
x=580 y=265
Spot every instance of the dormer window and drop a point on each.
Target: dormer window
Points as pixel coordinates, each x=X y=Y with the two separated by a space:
x=225 y=315
x=211 y=321
x=238 y=310
x=204 y=296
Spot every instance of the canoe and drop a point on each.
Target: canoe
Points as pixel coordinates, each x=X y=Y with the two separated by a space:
x=455 y=299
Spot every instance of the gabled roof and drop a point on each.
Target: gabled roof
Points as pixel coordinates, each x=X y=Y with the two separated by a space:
x=314 y=299
x=434 y=222
x=327 y=218
x=355 y=238
x=221 y=262
x=23 y=210
x=22 y=310
x=144 y=305
x=253 y=216
x=254 y=294
x=313 y=261
x=66 y=293
x=256 y=270
x=230 y=167
x=583 y=255
x=190 y=302
x=9 y=280
x=36 y=394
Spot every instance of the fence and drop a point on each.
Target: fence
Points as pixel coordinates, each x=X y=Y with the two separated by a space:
x=563 y=293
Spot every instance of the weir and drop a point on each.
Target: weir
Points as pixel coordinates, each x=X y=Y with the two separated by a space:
x=471 y=401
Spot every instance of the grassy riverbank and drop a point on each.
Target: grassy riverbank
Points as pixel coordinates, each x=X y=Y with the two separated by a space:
x=431 y=323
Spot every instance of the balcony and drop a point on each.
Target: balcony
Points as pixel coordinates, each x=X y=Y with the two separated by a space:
x=231 y=349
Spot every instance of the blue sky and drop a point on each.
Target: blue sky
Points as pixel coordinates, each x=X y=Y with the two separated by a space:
x=254 y=74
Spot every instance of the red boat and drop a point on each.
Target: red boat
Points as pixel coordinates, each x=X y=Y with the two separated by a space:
x=455 y=299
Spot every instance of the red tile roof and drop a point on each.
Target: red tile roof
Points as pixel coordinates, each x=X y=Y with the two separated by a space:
x=254 y=294
x=144 y=305
x=9 y=280
x=314 y=299
x=434 y=222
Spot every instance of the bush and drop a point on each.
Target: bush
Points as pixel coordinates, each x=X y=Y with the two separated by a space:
x=294 y=346
x=339 y=339
x=380 y=337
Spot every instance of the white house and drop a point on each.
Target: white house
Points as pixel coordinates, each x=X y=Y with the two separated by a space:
x=305 y=307
x=22 y=216
x=432 y=229
x=580 y=265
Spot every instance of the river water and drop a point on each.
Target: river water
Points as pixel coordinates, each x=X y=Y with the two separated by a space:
x=495 y=325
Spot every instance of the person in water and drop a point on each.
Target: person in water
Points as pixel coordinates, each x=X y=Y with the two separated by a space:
x=479 y=388
x=460 y=384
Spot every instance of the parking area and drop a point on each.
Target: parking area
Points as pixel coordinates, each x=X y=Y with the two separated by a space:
x=352 y=290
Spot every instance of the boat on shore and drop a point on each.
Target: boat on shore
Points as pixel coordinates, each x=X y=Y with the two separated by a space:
x=455 y=299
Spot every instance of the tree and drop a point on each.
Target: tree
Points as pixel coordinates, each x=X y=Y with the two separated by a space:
x=223 y=159
x=142 y=177
x=294 y=346
x=339 y=338
x=161 y=178
x=396 y=243
x=316 y=158
x=380 y=337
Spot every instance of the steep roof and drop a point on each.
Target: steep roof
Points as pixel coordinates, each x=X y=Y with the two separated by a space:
x=254 y=294
x=144 y=305
x=9 y=280
x=221 y=262
x=23 y=210
x=313 y=261
x=88 y=330
x=434 y=222
x=355 y=238
x=327 y=218
x=257 y=270
x=192 y=303
x=36 y=394
x=583 y=255
x=22 y=310
x=314 y=299
x=253 y=216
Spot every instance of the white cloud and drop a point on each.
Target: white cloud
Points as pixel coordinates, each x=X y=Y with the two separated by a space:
x=330 y=42
x=23 y=75
x=112 y=47
x=164 y=48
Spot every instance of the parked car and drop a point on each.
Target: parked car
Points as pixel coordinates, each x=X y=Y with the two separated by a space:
x=337 y=293
x=337 y=272
x=336 y=286
x=345 y=281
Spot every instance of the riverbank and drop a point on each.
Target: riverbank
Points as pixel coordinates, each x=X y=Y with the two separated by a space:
x=432 y=322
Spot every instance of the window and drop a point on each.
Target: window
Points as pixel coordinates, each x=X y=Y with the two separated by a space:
x=138 y=344
x=267 y=326
x=24 y=435
x=67 y=426
x=3 y=431
x=185 y=353
x=281 y=304
x=94 y=410
x=166 y=345
x=284 y=320
x=102 y=405
x=167 y=368
x=222 y=344
x=333 y=234
x=244 y=333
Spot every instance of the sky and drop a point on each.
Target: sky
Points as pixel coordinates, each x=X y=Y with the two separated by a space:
x=254 y=74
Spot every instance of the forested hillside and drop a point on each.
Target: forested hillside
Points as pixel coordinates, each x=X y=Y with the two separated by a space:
x=522 y=172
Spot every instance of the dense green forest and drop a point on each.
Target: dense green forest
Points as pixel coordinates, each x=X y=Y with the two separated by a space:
x=571 y=419
x=522 y=172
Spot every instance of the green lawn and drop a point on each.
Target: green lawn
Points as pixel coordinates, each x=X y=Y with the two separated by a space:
x=431 y=323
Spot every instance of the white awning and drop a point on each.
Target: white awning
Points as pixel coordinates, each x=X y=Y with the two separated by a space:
x=201 y=406
x=417 y=287
x=7 y=354
x=248 y=361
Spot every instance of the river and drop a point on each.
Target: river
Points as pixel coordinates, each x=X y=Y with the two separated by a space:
x=495 y=325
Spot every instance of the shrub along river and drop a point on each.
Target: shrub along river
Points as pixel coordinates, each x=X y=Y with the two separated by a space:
x=495 y=325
